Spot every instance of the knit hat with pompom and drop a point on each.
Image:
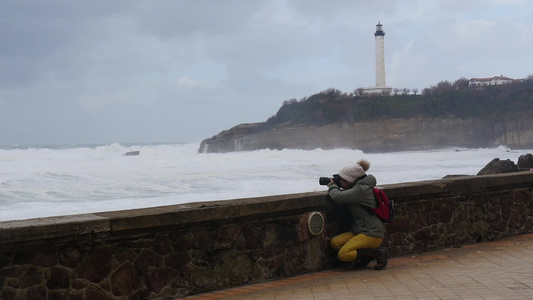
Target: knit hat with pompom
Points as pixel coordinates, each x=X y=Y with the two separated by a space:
x=353 y=172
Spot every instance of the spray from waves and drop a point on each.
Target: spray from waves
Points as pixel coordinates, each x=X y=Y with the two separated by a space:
x=43 y=181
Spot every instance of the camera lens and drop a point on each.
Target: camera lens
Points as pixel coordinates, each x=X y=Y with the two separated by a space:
x=324 y=180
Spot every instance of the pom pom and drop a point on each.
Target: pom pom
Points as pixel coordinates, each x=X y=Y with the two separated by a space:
x=364 y=164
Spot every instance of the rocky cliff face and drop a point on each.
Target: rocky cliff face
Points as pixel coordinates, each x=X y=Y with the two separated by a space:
x=515 y=131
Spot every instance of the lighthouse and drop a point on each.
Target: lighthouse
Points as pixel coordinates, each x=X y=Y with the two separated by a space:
x=380 y=55
x=381 y=87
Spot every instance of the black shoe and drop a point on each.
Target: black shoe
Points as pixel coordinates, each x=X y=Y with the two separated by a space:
x=381 y=259
x=361 y=263
x=364 y=257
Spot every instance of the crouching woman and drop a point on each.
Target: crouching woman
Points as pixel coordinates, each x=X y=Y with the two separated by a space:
x=361 y=244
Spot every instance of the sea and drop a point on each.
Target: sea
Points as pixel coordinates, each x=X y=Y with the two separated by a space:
x=50 y=180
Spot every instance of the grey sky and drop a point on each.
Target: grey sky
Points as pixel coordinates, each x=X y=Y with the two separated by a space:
x=181 y=71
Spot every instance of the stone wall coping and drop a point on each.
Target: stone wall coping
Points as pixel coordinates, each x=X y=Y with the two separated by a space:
x=41 y=229
x=460 y=186
x=212 y=211
x=118 y=223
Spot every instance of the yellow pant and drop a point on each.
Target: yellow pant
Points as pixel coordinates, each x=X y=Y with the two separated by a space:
x=347 y=244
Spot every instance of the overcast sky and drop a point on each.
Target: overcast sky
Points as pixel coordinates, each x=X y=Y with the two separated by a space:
x=181 y=71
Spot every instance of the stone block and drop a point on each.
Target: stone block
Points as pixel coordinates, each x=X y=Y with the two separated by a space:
x=58 y=278
x=42 y=258
x=95 y=265
x=277 y=263
x=143 y=295
x=147 y=258
x=95 y=293
x=227 y=236
x=177 y=260
x=124 y=255
x=432 y=218
x=125 y=281
x=30 y=276
x=518 y=217
x=521 y=197
x=288 y=233
x=8 y=293
x=79 y=284
x=423 y=234
x=69 y=256
x=303 y=230
x=58 y=295
x=252 y=239
x=271 y=235
x=255 y=254
x=183 y=240
x=36 y=293
x=163 y=245
x=5 y=260
x=157 y=279
x=445 y=215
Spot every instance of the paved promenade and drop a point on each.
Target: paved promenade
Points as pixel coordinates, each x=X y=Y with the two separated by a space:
x=500 y=269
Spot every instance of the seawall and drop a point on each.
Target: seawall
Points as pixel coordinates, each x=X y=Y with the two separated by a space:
x=175 y=251
x=513 y=130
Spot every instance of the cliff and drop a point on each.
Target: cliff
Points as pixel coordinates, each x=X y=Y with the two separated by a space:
x=514 y=130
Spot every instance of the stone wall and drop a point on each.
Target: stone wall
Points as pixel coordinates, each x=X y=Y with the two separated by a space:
x=174 y=251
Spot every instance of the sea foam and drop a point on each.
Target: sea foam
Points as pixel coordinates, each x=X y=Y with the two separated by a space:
x=45 y=181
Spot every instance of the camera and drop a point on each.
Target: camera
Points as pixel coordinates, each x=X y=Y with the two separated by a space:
x=326 y=180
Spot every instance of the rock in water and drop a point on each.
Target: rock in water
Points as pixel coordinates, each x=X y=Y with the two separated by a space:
x=525 y=162
x=497 y=166
x=132 y=153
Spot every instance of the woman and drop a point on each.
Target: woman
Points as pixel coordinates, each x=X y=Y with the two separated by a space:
x=362 y=242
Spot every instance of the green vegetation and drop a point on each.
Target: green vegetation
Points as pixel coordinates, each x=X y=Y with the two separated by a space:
x=445 y=100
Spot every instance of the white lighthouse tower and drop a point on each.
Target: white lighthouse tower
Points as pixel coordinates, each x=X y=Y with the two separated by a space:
x=380 y=55
x=381 y=87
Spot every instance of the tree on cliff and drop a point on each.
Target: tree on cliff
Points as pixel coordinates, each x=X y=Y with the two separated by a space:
x=446 y=99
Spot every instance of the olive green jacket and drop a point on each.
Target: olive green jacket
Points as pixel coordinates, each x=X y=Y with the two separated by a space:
x=358 y=199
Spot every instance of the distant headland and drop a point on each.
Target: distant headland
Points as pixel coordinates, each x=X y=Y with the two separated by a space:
x=445 y=115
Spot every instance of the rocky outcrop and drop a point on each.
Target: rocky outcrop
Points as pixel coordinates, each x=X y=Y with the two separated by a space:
x=525 y=162
x=515 y=131
x=497 y=166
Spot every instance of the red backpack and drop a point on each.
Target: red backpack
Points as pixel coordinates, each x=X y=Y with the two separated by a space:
x=384 y=207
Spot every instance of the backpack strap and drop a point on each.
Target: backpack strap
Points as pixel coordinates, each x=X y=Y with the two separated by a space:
x=370 y=209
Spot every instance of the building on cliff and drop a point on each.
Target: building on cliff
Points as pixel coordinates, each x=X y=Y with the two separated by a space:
x=496 y=80
x=381 y=87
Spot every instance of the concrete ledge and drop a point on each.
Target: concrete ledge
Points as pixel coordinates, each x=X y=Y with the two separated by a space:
x=42 y=229
x=459 y=186
x=212 y=211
